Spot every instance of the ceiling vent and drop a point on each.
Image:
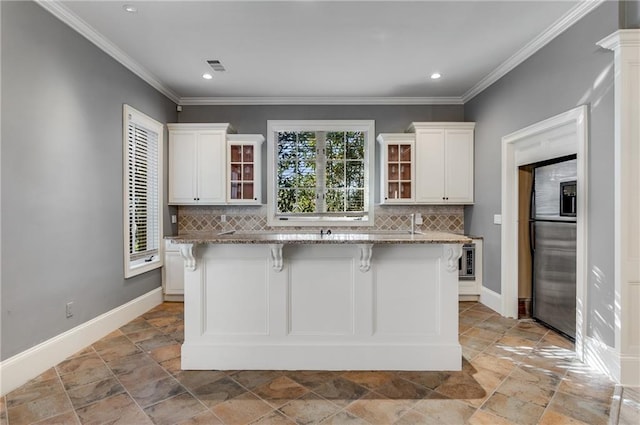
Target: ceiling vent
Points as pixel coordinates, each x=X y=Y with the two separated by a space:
x=216 y=65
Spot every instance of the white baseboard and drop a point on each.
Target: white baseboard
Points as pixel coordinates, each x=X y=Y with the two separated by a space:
x=19 y=369
x=305 y=356
x=491 y=299
x=464 y=297
x=174 y=298
x=629 y=371
x=602 y=357
x=623 y=369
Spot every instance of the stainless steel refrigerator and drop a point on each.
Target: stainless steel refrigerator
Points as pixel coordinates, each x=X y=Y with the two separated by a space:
x=553 y=236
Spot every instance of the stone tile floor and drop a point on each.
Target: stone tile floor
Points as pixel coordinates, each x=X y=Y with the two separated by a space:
x=513 y=373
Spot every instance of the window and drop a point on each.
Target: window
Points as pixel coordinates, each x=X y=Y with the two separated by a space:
x=142 y=192
x=320 y=172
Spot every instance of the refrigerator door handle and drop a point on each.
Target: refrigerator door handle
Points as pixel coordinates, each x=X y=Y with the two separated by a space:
x=532 y=201
x=532 y=237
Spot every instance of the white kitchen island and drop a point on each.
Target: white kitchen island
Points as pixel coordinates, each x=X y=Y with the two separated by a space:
x=308 y=302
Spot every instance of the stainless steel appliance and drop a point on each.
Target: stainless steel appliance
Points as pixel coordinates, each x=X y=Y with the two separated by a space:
x=553 y=247
x=466 y=263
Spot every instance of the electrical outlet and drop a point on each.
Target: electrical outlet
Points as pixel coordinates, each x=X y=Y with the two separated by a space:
x=418 y=219
x=223 y=218
x=69 y=309
x=174 y=219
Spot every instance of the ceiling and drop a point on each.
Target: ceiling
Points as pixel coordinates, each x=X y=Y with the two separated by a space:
x=320 y=51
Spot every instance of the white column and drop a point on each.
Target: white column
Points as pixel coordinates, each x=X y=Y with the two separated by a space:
x=626 y=46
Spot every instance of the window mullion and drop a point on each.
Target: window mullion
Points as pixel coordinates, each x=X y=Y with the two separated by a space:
x=321 y=173
x=344 y=172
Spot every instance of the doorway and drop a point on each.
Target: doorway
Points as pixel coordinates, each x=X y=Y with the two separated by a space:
x=559 y=136
x=547 y=243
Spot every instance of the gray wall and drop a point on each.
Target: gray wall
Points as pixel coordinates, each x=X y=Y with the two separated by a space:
x=62 y=231
x=569 y=71
x=389 y=118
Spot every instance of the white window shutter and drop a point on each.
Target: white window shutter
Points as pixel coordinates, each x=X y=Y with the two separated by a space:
x=143 y=191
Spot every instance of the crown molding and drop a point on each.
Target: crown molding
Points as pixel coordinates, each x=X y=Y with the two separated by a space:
x=58 y=10
x=558 y=27
x=628 y=37
x=191 y=101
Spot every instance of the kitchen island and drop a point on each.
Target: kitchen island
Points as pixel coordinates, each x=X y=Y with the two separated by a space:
x=306 y=301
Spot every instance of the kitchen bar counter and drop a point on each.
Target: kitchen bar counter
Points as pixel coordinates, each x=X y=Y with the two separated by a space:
x=303 y=301
x=374 y=237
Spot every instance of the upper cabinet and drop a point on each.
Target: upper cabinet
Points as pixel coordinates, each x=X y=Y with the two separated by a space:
x=397 y=168
x=209 y=166
x=444 y=154
x=441 y=168
x=197 y=164
x=244 y=153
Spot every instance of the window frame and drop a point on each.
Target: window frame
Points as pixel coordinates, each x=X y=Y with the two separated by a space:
x=139 y=266
x=321 y=219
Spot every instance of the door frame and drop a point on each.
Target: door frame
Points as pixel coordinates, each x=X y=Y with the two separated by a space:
x=561 y=135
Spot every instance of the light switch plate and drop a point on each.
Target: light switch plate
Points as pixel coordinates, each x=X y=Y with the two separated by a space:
x=497 y=219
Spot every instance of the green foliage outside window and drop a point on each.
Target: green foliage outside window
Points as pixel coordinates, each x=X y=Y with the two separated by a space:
x=306 y=159
x=296 y=172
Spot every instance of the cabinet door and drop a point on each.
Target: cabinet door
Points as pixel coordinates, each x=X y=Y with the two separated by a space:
x=430 y=166
x=243 y=173
x=459 y=166
x=211 y=168
x=173 y=273
x=399 y=172
x=182 y=165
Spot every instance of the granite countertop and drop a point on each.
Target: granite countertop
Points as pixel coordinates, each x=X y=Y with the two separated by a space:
x=372 y=237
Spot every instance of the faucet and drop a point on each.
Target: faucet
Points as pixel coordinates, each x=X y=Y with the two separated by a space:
x=413 y=224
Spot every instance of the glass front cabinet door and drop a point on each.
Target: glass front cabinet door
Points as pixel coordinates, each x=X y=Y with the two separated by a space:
x=397 y=168
x=244 y=168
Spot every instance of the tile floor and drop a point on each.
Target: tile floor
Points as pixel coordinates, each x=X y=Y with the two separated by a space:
x=513 y=373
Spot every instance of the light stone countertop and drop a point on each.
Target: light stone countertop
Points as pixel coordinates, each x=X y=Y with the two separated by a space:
x=337 y=237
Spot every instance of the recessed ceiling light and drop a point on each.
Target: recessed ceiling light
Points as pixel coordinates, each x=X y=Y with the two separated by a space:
x=435 y=75
x=207 y=76
x=129 y=8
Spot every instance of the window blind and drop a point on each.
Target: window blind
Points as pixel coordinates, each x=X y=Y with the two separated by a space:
x=143 y=191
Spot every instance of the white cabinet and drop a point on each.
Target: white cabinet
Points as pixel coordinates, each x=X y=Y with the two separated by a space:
x=397 y=168
x=244 y=176
x=173 y=273
x=197 y=164
x=444 y=162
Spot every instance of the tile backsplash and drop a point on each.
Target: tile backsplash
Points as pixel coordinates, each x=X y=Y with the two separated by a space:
x=204 y=219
